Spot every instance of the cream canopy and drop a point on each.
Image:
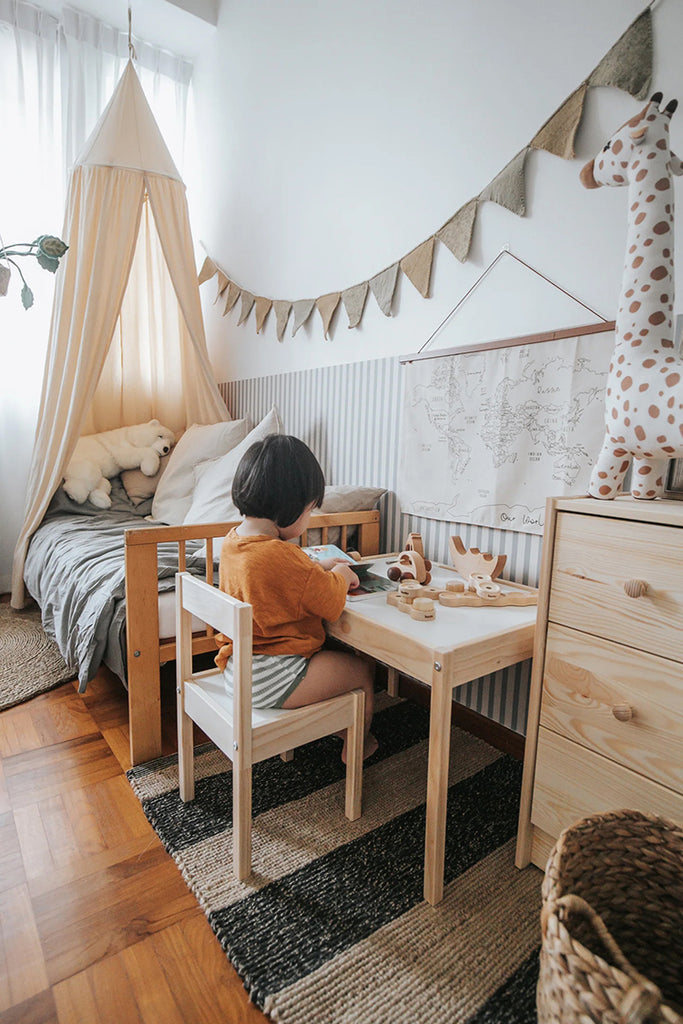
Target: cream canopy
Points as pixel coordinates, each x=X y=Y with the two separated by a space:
x=127 y=337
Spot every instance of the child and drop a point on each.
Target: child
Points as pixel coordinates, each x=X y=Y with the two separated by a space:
x=277 y=485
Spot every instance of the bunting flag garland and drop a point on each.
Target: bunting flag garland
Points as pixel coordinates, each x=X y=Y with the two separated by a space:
x=508 y=188
x=246 y=304
x=627 y=66
x=326 y=306
x=262 y=307
x=209 y=268
x=417 y=266
x=383 y=286
x=231 y=298
x=354 y=302
x=223 y=283
x=302 y=310
x=456 y=234
x=282 y=310
x=558 y=133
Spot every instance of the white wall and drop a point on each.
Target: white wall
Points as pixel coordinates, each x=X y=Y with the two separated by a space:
x=336 y=136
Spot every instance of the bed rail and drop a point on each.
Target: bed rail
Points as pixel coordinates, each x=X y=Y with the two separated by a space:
x=146 y=652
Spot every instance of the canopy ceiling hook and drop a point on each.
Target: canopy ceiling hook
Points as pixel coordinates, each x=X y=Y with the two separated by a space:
x=132 y=55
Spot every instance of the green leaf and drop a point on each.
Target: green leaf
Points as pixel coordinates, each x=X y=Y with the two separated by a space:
x=51 y=246
x=26 y=296
x=48 y=262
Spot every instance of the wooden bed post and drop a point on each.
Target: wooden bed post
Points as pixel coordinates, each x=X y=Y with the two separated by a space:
x=142 y=645
x=368 y=534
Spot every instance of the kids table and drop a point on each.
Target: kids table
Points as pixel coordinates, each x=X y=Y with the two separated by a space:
x=459 y=645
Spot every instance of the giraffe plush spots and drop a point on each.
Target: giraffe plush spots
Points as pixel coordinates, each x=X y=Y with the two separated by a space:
x=644 y=399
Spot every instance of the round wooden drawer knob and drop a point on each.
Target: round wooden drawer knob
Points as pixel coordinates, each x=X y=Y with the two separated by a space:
x=635 y=588
x=622 y=712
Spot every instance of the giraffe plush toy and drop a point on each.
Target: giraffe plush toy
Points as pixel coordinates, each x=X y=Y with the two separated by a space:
x=644 y=400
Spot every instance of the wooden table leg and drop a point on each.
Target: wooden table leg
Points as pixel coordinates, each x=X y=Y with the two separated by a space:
x=392 y=681
x=437 y=787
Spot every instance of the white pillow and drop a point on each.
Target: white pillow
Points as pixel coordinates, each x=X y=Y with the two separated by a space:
x=173 y=495
x=344 y=498
x=212 y=495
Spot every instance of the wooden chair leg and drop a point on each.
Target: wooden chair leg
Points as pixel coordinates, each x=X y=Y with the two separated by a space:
x=287 y=755
x=241 y=820
x=354 y=758
x=185 y=751
x=392 y=682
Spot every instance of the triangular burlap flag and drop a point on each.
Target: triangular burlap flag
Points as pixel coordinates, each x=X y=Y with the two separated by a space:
x=417 y=266
x=354 y=302
x=231 y=298
x=282 y=310
x=246 y=303
x=223 y=283
x=261 y=312
x=558 y=133
x=508 y=188
x=383 y=286
x=456 y=234
x=209 y=268
x=628 y=65
x=302 y=310
x=326 y=306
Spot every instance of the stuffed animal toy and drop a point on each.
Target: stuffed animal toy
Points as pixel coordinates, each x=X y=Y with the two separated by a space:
x=644 y=401
x=98 y=457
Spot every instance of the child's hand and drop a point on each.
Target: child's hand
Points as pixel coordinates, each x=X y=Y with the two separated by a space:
x=329 y=563
x=344 y=569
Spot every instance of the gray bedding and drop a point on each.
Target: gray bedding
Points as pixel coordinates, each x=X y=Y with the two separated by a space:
x=75 y=572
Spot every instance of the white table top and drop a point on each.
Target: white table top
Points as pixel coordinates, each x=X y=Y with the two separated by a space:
x=452 y=627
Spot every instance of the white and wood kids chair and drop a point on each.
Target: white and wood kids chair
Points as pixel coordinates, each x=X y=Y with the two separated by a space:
x=248 y=735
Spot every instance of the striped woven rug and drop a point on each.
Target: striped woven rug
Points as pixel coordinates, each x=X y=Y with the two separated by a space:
x=332 y=927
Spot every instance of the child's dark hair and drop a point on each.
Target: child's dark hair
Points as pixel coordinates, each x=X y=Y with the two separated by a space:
x=277 y=478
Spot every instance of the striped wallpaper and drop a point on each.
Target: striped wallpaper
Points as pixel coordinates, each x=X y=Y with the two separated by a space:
x=350 y=417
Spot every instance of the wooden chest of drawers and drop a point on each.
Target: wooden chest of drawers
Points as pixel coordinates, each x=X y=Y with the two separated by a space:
x=605 y=725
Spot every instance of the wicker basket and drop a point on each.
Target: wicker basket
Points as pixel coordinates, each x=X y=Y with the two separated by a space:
x=612 y=923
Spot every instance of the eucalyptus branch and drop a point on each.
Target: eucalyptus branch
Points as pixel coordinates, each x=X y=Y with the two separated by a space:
x=46 y=249
x=15 y=264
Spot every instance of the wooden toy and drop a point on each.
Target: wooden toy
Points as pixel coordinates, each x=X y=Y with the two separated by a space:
x=482 y=585
x=422 y=608
x=450 y=599
x=411 y=563
x=471 y=560
x=410 y=589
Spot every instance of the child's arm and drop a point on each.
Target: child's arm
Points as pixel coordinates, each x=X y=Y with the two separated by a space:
x=329 y=563
x=344 y=569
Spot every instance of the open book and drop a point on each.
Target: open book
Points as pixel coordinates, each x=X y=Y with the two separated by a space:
x=370 y=583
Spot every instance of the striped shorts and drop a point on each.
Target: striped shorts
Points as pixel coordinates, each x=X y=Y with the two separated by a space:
x=274 y=677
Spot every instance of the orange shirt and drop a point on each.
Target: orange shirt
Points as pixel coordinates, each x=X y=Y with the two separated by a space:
x=290 y=594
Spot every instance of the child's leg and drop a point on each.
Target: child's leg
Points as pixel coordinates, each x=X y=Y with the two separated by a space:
x=331 y=673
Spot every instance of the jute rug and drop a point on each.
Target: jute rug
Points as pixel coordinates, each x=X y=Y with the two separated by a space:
x=30 y=662
x=332 y=927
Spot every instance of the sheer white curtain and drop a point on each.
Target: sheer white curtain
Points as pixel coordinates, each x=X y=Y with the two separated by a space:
x=56 y=76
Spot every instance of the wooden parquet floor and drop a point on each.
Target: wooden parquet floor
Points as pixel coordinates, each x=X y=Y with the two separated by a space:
x=96 y=924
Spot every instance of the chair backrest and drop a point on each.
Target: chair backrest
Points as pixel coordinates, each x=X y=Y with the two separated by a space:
x=230 y=617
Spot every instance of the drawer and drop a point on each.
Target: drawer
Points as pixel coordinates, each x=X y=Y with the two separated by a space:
x=585 y=678
x=594 y=557
x=573 y=782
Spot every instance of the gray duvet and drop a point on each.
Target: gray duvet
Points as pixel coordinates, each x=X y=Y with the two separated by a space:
x=75 y=572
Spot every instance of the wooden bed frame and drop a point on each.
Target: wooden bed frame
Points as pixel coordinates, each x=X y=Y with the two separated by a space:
x=146 y=652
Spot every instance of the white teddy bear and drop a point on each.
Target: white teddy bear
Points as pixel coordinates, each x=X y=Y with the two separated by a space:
x=98 y=457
